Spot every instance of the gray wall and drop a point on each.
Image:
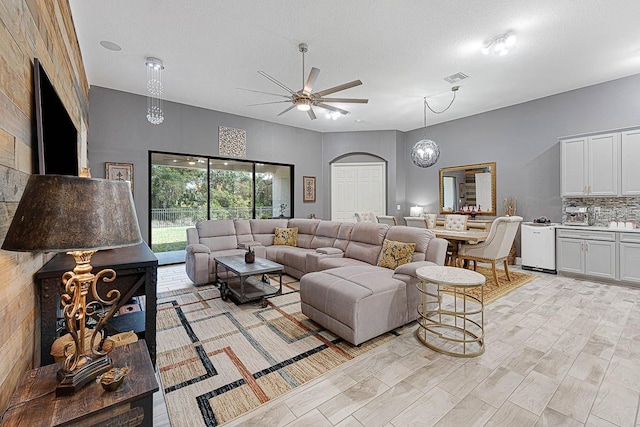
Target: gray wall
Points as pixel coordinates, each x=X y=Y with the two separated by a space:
x=120 y=132
x=523 y=141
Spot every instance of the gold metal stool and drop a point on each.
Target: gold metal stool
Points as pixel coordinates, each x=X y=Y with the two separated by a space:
x=444 y=328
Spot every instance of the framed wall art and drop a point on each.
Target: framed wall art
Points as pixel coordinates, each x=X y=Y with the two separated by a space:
x=120 y=172
x=308 y=189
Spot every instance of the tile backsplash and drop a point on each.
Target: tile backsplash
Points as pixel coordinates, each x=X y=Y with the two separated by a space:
x=610 y=208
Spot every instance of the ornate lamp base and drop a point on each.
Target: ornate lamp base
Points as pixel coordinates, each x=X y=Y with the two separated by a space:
x=72 y=381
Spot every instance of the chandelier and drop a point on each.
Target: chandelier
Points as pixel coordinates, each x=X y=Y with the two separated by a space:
x=500 y=45
x=155 y=68
x=425 y=153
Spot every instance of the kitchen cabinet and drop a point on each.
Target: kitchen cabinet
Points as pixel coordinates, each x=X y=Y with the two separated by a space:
x=587 y=252
x=589 y=165
x=629 y=157
x=629 y=251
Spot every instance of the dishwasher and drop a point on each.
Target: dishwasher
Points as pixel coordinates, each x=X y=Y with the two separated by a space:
x=538 y=248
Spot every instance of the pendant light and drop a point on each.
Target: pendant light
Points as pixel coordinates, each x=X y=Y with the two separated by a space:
x=425 y=153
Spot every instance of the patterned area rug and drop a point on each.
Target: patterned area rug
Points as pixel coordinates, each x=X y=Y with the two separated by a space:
x=218 y=360
x=492 y=291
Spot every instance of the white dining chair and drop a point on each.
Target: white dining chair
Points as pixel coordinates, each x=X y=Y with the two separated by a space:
x=415 y=221
x=497 y=246
x=387 y=219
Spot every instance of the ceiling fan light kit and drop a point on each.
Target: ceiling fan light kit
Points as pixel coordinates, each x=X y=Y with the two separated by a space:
x=500 y=45
x=305 y=99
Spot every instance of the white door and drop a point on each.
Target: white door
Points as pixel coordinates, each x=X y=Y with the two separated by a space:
x=357 y=187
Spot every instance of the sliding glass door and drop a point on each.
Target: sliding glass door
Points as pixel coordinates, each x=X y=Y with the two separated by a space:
x=186 y=189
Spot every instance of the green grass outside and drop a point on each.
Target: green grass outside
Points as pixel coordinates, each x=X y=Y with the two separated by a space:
x=168 y=239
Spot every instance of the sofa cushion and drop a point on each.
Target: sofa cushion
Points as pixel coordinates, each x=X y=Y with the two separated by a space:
x=395 y=253
x=326 y=234
x=327 y=263
x=243 y=231
x=217 y=235
x=263 y=229
x=285 y=236
x=366 y=242
x=420 y=236
x=344 y=234
x=306 y=230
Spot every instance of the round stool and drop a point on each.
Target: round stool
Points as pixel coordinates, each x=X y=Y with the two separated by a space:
x=446 y=328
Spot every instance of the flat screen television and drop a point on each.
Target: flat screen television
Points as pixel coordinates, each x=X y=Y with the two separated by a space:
x=57 y=137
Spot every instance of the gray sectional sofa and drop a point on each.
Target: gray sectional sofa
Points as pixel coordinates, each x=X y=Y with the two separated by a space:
x=341 y=286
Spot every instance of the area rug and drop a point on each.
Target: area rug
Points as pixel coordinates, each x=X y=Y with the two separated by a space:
x=492 y=291
x=218 y=360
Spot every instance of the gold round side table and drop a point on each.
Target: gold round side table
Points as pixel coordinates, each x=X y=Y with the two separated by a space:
x=450 y=319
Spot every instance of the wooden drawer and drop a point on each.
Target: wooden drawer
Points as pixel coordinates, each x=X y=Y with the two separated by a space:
x=609 y=236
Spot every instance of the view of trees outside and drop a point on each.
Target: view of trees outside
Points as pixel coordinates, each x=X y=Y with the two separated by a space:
x=179 y=198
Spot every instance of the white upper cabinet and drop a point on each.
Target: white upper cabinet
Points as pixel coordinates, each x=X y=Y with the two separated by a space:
x=590 y=165
x=574 y=167
x=630 y=163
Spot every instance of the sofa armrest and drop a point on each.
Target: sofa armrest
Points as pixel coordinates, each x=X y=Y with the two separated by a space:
x=247 y=245
x=313 y=259
x=329 y=251
x=198 y=248
x=409 y=269
x=437 y=251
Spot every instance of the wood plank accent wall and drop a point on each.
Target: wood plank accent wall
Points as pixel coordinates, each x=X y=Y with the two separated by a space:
x=28 y=29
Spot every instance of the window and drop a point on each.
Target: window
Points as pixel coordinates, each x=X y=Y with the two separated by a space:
x=186 y=189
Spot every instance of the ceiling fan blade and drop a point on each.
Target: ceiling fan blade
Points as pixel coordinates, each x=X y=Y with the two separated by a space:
x=276 y=82
x=338 y=88
x=288 y=108
x=331 y=108
x=311 y=80
x=311 y=114
x=265 y=103
x=345 y=100
x=266 y=93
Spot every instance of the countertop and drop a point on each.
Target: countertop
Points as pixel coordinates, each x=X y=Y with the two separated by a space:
x=599 y=228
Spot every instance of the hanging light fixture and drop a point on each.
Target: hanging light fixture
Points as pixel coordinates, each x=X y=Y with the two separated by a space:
x=155 y=68
x=426 y=152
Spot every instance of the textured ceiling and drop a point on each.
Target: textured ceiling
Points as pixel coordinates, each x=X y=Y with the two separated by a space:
x=401 y=50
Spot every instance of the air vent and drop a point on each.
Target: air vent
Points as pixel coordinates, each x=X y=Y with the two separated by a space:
x=454 y=78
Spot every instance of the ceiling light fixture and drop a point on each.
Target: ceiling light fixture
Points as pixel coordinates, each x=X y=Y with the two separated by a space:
x=500 y=45
x=425 y=153
x=155 y=69
x=304 y=105
x=333 y=115
x=110 y=45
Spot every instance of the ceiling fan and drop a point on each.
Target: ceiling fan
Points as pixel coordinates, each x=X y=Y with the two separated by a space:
x=304 y=99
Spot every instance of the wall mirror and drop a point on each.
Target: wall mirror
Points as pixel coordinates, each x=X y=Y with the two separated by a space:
x=468 y=185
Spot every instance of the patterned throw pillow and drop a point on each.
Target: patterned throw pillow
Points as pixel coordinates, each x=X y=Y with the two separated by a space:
x=286 y=236
x=395 y=253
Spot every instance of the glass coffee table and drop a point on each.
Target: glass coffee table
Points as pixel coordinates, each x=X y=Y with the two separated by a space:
x=251 y=281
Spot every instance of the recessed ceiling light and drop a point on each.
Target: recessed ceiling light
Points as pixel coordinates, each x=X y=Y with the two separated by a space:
x=110 y=45
x=358 y=120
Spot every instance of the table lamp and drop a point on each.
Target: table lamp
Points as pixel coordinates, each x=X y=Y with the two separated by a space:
x=79 y=216
x=416 y=211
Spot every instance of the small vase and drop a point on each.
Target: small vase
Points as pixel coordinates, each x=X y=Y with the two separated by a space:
x=250 y=257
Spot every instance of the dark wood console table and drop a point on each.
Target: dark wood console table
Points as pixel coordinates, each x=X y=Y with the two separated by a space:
x=35 y=404
x=136 y=274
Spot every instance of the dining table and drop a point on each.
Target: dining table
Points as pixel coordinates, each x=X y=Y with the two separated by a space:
x=455 y=237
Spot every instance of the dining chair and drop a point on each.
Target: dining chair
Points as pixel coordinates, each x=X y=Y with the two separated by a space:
x=457 y=223
x=431 y=220
x=497 y=246
x=367 y=216
x=415 y=221
x=387 y=219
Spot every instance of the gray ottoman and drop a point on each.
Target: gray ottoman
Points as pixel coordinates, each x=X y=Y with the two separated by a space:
x=356 y=303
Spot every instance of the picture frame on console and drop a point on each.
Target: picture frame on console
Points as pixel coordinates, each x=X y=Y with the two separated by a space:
x=308 y=189
x=119 y=172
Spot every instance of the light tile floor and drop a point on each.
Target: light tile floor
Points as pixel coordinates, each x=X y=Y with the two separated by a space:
x=559 y=352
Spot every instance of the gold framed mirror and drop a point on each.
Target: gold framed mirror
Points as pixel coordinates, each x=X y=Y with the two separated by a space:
x=468 y=185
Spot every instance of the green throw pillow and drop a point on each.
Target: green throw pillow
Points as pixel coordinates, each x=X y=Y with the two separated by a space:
x=395 y=253
x=286 y=236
